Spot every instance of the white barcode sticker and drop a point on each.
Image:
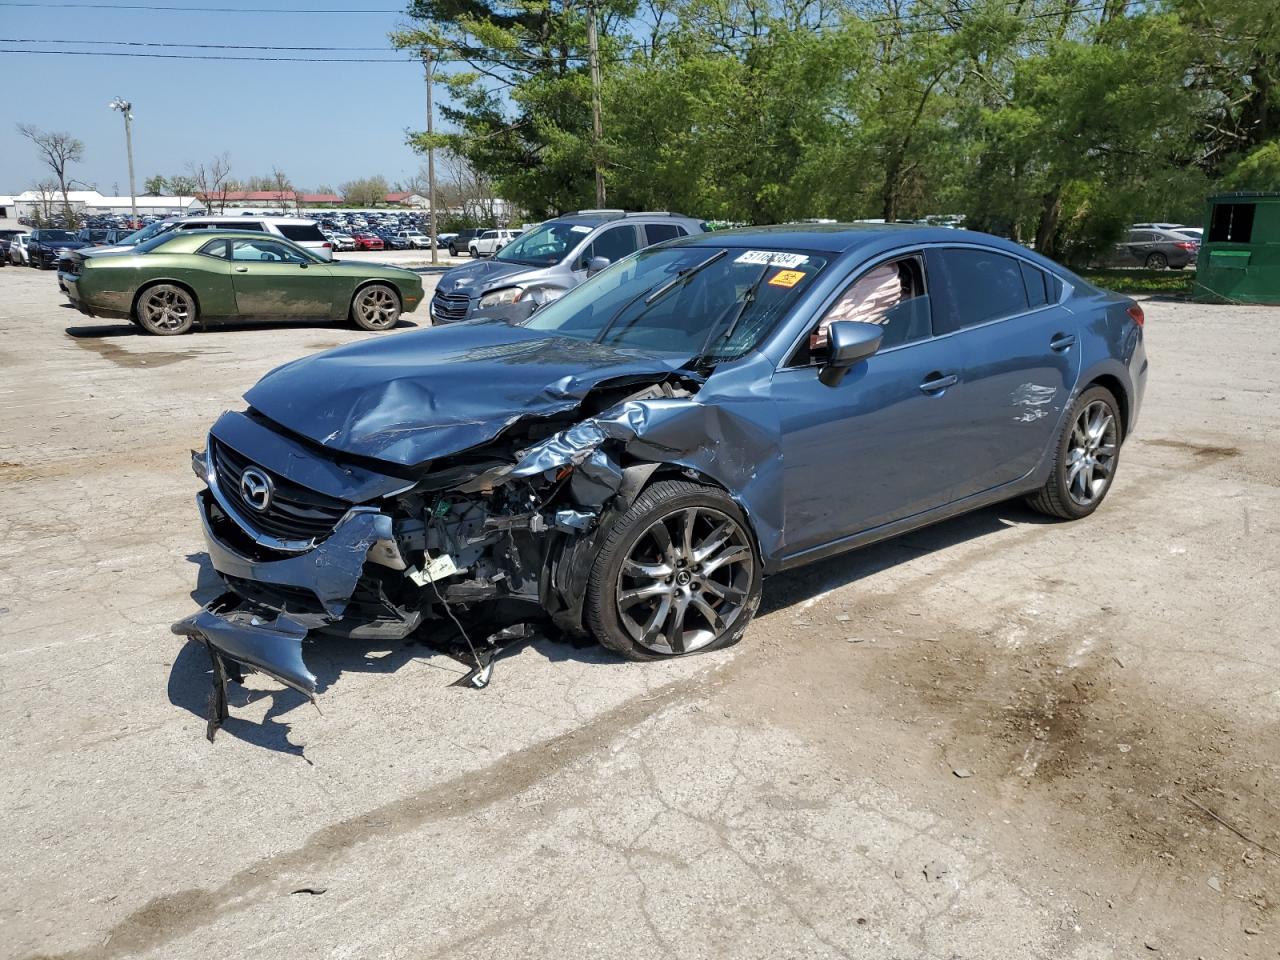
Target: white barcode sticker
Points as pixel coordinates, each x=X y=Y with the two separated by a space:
x=772 y=258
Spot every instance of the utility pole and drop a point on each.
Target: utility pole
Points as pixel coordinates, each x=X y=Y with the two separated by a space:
x=597 y=130
x=427 y=62
x=126 y=108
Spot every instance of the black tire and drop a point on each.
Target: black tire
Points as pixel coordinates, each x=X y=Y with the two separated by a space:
x=1157 y=261
x=375 y=307
x=1059 y=497
x=165 y=310
x=735 y=579
x=453 y=251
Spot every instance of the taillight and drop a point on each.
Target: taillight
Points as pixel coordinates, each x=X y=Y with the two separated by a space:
x=327 y=245
x=1136 y=313
x=1185 y=246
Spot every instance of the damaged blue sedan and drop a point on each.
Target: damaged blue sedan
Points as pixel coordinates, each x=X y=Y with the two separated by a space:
x=635 y=457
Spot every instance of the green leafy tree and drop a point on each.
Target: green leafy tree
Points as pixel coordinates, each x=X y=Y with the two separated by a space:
x=156 y=185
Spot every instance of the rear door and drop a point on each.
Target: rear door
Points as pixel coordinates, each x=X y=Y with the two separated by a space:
x=1020 y=356
x=274 y=279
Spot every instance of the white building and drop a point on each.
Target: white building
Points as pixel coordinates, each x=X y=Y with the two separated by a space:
x=31 y=203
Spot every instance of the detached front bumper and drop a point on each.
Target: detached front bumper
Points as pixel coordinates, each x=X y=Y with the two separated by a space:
x=314 y=588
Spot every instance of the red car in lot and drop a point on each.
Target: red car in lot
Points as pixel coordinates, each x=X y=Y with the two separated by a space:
x=367 y=241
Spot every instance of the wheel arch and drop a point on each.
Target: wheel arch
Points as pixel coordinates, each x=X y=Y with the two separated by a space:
x=676 y=471
x=1118 y=390
x=369 y=282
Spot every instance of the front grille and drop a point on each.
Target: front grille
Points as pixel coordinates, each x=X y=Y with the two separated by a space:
x=70 y=264
x=449 y=306
x=294 y=513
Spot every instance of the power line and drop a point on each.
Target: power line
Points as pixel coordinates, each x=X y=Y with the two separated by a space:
x=197 y=56
x=150 y=6
x=193 y=46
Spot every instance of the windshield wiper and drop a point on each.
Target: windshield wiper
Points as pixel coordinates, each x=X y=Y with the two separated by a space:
x=738 y=308
x=652 y=294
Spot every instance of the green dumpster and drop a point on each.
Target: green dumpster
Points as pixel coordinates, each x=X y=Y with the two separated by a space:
x=1239 y=259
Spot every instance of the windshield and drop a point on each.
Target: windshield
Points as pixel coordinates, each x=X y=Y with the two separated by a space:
x=146 y=233
x=703 y=301
x=545 y=245
x=49 y=236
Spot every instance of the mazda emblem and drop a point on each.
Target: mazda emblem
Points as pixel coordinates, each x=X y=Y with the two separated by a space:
x=256 y=488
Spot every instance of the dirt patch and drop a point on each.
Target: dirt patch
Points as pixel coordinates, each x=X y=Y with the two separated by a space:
x=1199 y=451
x=127 y=358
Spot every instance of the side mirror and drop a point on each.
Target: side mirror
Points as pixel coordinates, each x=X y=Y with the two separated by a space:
x=596 y=264
x=849 y=342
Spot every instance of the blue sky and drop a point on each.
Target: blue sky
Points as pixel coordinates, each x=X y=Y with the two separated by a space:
x=322 y=123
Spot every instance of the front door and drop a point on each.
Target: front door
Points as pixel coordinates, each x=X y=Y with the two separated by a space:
x=275 y=279
x=878 y=446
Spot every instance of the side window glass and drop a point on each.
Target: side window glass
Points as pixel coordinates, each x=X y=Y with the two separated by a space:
x=215 y=248
x=660 y=232
x=970 y=287
x=891 y=295
x=614 y=244
x=263 y=251
x=1037 y=284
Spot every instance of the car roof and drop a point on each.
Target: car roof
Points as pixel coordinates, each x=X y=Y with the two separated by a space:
x=838 y=237
x=228 y=218
x=597 y=217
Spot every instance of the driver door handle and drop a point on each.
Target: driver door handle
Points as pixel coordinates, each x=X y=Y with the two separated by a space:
x=936 y=381
x=242 y=269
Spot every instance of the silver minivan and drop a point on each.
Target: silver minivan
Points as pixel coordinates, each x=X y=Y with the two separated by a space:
x=555 y=256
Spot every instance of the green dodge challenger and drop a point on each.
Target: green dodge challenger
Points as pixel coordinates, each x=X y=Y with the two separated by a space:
x=166 y=284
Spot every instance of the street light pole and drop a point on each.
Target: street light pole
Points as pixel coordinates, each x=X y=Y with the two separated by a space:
x=126 y=108
x=431 y=157
x=597 y=131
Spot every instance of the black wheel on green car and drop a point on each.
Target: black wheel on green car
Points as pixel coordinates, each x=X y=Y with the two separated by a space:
x=375 y=307
x=165 y=309
x=678 y=573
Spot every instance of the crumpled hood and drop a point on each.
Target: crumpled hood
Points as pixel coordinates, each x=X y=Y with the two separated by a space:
x=481 y=275
x=414 y=397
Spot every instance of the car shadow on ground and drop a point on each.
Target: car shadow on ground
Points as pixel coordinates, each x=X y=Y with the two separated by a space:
x=190 y=679
x=123 y=328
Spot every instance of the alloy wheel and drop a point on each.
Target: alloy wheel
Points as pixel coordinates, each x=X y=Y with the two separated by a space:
x=685 y=581
x=378 y=308
x=1092 y=453
x=166 y=307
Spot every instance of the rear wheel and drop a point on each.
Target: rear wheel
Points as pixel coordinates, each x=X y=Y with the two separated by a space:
x=1085 y=461
x=677 y=574
x=1157 y=261
x=375 y=307
x=165 y=310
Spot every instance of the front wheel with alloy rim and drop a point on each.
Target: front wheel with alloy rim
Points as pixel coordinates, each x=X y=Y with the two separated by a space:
x=1157 y=261
x=1085 y=460
x=375 y=307
x=165 y=310
x=678 y=573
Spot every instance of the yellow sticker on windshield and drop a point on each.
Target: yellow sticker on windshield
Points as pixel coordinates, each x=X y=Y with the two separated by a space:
x=786 y=278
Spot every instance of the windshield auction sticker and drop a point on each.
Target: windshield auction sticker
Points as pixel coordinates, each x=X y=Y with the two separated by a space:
x=786 y=278
x=772 y=258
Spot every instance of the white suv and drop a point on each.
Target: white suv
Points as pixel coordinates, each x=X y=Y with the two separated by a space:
x=300 y=230
x=415 y=239
x=491 y=241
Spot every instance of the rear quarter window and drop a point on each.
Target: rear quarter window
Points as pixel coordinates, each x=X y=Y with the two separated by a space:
x=661 y=232
x=301 y=232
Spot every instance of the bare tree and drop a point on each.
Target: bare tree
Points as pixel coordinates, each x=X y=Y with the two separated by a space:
x=46 y=192
x=213 y=182
x=59 y=151
x=283 y=187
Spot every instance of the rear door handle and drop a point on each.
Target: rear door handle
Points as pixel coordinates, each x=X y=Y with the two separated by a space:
x=936 y=381
x=242 y=269
x=1062 y=342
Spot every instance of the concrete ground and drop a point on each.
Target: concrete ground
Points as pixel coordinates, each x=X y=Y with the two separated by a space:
x=997 y=738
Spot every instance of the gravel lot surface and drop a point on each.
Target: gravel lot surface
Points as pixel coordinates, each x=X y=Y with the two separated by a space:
x=997 y=738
